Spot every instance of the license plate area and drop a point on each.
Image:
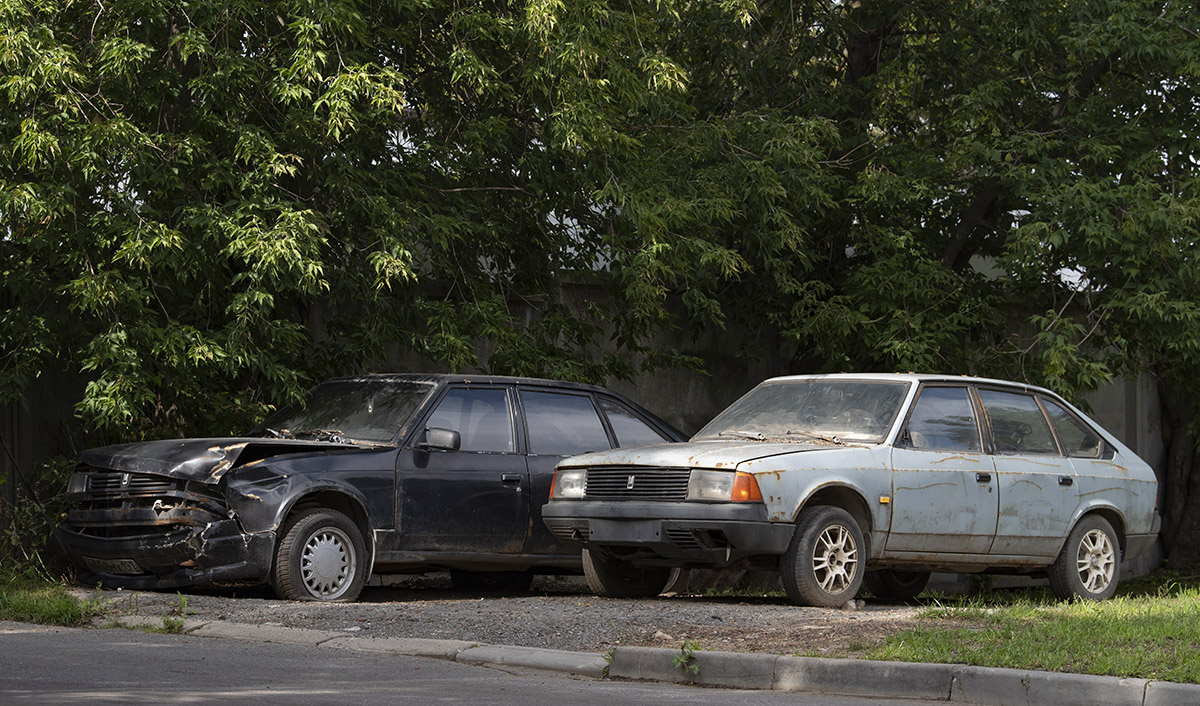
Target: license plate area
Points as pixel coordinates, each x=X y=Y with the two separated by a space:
x=625 y=530
x=127 y=567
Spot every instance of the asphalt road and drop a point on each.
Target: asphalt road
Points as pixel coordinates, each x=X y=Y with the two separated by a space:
x=72 y=666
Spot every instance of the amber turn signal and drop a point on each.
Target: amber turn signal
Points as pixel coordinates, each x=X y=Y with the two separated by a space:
x=745 y=489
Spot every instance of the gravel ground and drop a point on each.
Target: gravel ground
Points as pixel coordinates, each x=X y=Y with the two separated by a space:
x=558 y=613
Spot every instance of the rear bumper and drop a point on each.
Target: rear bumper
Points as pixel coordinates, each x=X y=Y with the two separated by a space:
x=189 y=556
x=1138 y=544
x=680 y=533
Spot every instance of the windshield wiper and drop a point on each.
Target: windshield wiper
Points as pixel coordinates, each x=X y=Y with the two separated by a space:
x=756 y=435
x=334 y=435
x=277 y=434
x=815 y=435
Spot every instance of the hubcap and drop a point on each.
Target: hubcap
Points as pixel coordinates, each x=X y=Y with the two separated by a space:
x=327 y=563
x=1096 y=561
x=835 y=559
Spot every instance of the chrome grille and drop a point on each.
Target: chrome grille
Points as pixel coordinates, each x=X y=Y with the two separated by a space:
x=634 y=483
x=111 y=483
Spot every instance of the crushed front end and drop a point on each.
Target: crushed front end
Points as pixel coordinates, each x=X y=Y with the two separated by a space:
x=141 y=529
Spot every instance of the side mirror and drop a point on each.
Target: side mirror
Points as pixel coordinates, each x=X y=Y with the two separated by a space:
x=444 y=439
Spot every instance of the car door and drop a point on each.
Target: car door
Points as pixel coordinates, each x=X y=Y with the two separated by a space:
x=944 y=497
x=473 y=499
x=558 y=424
x=1037 y=484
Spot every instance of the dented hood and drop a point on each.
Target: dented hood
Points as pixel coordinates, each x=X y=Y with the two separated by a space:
x=204 y=460
x=694 y=454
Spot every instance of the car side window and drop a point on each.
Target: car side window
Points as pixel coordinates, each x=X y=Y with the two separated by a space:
x=630 y=430
x=943 y=419
x=1078 y=438
x=1018 y=425
x=481 y=416
x=561 y=424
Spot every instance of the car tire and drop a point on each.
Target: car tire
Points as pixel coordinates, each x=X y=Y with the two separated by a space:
x=823 y=566
x=889 y=585
x=322 y=557
x=491 y=581
x=1089 y=565
x=614 y=578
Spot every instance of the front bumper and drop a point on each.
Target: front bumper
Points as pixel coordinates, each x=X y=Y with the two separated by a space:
x=187 y=556
x=677 y=533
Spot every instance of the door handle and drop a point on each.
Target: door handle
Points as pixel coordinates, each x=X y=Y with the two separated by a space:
x=1066 y=481
x=983 y=477
x=510 y=478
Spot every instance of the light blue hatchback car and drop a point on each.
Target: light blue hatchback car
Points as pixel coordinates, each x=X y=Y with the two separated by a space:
x=840 y=479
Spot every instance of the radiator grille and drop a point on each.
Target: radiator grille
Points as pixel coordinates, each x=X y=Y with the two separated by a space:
x=112 y=483
x=633 y=483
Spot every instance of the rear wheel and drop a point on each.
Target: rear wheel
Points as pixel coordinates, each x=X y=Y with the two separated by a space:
x=322 y=557
x=491 y=581
x=1089 y=564
x=614 y=578
x=889 y=585
x=823 y=565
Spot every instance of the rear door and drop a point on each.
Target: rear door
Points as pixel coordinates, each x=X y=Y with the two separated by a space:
x=1037 y=483
x=558 y=424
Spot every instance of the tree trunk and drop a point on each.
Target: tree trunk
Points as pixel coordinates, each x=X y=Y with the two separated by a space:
x=1181 y=483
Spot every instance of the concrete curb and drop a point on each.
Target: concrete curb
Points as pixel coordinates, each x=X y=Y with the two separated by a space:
x=582 y=663
x=987 y=686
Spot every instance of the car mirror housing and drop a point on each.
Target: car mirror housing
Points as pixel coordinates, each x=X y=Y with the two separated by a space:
x=445 y=439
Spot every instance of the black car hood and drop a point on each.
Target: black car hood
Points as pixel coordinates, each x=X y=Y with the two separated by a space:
x=204 y=460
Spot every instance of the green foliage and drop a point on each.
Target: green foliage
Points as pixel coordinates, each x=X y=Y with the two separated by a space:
x=685 y=661
x=205 y=209
x=30 y=598
x=26 y=542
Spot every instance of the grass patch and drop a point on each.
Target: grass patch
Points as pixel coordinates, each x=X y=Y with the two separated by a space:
x=30 y=599
x=1151 y=630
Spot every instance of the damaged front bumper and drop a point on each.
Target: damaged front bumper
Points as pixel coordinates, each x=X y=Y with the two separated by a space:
x=144 y=530
x=170 y=558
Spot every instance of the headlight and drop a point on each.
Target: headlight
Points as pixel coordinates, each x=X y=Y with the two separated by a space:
x=723 y=486
x=79 y=482
x=569 y=483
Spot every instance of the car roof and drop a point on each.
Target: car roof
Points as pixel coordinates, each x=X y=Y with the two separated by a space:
x=916 y=378
x=482 y=379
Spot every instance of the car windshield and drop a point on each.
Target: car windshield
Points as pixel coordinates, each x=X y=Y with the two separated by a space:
x=350 y=410
x=820 y=410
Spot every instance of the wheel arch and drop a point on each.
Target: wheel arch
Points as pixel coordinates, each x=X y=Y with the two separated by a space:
x=847 y=498
x=1109 y=513
x=341 y=501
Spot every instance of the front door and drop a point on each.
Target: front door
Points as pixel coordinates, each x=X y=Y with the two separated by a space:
x=473 y=499
x=944 y=494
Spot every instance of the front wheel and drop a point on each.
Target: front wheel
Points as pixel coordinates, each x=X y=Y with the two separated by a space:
x=322 y=557
x=1089 y=563
x=614 y=578
x=823 y=566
